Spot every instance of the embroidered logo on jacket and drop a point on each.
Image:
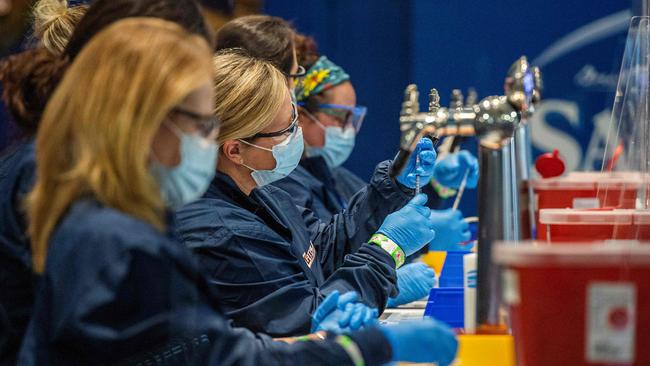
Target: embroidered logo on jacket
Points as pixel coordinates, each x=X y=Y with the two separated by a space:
x=310 y=254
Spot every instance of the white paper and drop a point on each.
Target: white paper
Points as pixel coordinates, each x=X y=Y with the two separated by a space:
x=611 y=322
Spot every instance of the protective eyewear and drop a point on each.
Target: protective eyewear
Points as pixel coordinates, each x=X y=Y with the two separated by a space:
x=346 y=115
x=281 y=135
x=300 y=73
x=205 y=125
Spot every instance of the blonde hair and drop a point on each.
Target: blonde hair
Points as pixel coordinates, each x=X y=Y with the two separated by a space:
x=96 y=133
x=249 y=93
x=54 y=23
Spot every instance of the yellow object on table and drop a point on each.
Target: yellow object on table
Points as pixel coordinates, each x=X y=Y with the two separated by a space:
x=435 y=260
x=483 y=350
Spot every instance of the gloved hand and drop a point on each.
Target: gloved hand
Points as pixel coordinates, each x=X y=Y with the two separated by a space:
x=450 y=170
x=451 y=230
x=410 y=227
x=342 y=313
x=414 y=282
x=427 y=155
x=424 y=341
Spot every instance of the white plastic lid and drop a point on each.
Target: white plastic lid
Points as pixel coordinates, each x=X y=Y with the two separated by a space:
x=642 y=217
x=586 y=181
x=571 y=216
x=535 y=253
x=605 y=175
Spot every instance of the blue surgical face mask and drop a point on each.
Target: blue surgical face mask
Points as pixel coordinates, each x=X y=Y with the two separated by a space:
x=188 y=180
x=287 y=156
x=339 y=144
x=294 y=99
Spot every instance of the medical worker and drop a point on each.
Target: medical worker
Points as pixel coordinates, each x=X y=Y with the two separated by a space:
x=117 y=141
x=28 y=79
x=54 y=21
x=273 y=39
x=331 y=119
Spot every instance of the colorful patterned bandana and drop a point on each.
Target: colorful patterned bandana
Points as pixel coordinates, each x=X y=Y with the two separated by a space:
x=323 y=75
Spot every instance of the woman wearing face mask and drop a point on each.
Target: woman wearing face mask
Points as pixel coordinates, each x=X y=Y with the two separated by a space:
x=117 y=287
x=272 y=39
x=330 y=118
x=28 y=80
x=271 y=261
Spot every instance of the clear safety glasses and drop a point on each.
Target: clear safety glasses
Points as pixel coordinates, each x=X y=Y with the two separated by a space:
x=204 y=125
x=282 y=135
x=346 y=115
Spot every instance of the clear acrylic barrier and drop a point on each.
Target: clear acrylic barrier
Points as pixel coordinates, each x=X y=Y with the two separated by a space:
x=628 y=138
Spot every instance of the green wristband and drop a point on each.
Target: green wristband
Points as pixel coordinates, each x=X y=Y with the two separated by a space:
x=390 y=247
x=351 y=349
x=442 y=191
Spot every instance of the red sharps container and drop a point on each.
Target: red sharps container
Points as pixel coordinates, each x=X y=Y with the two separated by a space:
x=578 y=304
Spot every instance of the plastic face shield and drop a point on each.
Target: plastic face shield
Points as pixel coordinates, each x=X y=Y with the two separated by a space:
x=347 y=115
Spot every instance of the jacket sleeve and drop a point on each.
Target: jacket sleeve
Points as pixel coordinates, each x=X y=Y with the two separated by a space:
x=263 y=288
x=141 y=308
x=351 y=228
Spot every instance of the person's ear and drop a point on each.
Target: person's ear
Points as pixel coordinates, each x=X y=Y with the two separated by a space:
x=304 y=117
x=232 y=150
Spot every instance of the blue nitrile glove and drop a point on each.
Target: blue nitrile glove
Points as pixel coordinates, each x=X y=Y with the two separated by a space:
x=341 y=313
x=451 y=230
x=450 y=170
x=410 y=227
x=359 y=315
x=427 y=155
x=426 y=340
x=414 y=282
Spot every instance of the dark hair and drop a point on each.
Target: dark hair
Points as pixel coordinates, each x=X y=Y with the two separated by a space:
x=307 y=55
x=27 y=80
x=28 y=84
x=306 y=50
x=262 y=36
x=102 y=13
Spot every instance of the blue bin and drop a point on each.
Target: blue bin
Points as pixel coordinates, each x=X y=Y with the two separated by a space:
x=447 y=305
x=452 y=271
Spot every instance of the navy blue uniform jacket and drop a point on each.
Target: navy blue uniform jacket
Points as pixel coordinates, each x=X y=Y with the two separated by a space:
x=17 y=168
x=117 y=291
x=272 y=262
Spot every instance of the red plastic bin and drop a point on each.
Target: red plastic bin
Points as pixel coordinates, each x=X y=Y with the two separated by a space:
x=562 y=225
x=587 y=190
x=578 y=304
x=642 y=224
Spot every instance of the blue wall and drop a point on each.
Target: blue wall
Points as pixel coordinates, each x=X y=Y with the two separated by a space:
x=372 y=42
x=387 y=44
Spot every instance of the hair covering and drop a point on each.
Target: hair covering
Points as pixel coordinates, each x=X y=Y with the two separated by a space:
x=322 y=75
x=72 y=3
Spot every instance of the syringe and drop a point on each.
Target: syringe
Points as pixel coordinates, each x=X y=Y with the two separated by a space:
x=417 y=175
x=461 y=190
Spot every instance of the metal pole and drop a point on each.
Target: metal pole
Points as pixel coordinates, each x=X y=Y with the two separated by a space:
x=494 y=225
x=523 y=161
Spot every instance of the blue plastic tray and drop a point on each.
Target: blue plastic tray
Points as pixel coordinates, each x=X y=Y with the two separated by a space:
x=447 y=305
x=452 y=271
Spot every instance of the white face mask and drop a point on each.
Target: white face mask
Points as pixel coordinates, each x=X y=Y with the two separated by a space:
x=287 y=156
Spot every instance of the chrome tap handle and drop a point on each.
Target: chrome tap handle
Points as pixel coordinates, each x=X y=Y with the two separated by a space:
x=434 y=101
x=472 y=97
x=456 y=99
